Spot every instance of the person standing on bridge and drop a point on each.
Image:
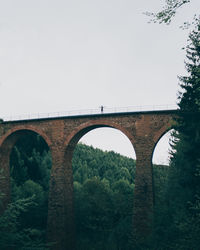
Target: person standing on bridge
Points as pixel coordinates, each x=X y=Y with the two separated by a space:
x=101 y=107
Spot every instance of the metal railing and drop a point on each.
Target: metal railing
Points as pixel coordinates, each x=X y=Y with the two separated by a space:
x=96 y=111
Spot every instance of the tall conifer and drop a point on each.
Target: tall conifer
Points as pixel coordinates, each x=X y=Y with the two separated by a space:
x=184 y=181
x=187 y=157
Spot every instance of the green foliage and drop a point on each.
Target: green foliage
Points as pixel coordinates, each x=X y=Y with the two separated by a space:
x=169 y=11
x=30 y=159
x=23 y=223
x=186 y=160
x=88 y=162
x=12 y=235
x=160 y=176
x=103 y=185
x=178 y=215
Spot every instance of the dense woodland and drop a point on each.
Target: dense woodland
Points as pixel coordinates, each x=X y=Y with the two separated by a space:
x=104 y=186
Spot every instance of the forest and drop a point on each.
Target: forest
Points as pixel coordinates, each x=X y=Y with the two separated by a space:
x=103 y=191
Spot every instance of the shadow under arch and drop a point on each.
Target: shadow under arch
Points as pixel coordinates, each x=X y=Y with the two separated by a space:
x=7 y=143
x=23 y=129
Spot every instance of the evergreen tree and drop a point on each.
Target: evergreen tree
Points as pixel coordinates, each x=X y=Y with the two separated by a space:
x=187 y=157
x=183 y=192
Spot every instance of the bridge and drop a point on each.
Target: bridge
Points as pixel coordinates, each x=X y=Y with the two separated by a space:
x=144 y=129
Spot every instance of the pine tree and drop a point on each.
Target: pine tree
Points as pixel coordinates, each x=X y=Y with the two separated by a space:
x=187 y=156
x=184 y=181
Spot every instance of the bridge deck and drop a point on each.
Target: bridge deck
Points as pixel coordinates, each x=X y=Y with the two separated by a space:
x=83 y=113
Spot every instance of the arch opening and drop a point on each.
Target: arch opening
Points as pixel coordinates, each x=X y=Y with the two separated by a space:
x=26 y=160
x=103 y=180
x=162 y=150
x=161 y=164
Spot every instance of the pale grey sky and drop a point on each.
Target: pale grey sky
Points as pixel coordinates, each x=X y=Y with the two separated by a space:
x=62 y=55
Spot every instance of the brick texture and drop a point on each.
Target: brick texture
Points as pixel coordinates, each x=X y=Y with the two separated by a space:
x=143 y=129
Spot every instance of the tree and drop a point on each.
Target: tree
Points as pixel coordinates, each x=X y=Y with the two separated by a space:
x=103 y=186
x=187 y=155
x=168 y=12
x=12 y=235
x=182 y=228
x=177 y=214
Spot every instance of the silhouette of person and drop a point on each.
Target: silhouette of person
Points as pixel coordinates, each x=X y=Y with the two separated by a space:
x=101 y=108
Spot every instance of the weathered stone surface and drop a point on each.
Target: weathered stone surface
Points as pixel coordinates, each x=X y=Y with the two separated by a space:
x=62 y=134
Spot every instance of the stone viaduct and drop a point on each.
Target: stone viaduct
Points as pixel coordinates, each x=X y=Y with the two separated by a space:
x=144 y=129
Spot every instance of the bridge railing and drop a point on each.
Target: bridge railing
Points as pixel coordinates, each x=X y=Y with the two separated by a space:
x=96 y=111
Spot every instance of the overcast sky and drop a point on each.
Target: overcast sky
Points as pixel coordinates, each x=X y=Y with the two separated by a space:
x=64 y=55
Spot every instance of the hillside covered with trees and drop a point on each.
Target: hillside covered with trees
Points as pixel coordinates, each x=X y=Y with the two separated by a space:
x=103 y=187
x=103 y=191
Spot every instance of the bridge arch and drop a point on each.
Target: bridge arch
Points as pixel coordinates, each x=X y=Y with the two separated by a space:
x=159 y=135
x=74 y=137
x=61 y=182
x=18 y=129
x=7 y=142
x=84 y=128
x=162 y=131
